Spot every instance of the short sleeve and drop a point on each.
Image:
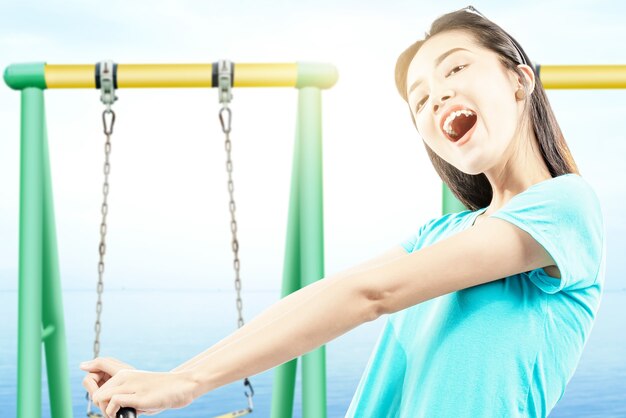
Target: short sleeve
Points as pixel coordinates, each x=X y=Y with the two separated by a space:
x=564 y=215
x=379 y=392
x=411 y=241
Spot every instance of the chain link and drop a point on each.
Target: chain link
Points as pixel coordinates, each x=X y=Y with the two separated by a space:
x=235 y=244
x=225 y=116
x=233 y=223
x=108 y=130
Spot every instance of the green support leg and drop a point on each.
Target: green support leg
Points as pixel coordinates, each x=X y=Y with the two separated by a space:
x=304 y=256
x=285 y=375
x=59 y=388
x=449 y=202
x=40 y=303
x=30 y=256
x=312 y=239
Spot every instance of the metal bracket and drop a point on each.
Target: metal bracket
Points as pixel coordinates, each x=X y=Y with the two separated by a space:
x=107 y=86
x=225 y=69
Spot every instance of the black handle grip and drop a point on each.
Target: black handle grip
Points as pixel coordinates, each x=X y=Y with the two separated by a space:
x=127 y=413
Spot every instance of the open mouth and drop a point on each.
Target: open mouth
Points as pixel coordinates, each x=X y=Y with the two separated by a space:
x=460 y=125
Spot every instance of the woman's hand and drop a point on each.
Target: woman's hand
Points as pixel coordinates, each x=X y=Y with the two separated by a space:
x=148 y=392
x=98 y=376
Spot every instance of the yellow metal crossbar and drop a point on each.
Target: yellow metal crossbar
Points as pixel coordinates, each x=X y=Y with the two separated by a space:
x=55 y=76
x=583 y=76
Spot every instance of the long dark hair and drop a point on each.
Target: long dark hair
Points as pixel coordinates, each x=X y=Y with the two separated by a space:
x=474 y=191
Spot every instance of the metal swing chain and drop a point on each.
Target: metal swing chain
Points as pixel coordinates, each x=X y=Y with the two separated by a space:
x=225 y=96
x=108 y=98
x=103 y=226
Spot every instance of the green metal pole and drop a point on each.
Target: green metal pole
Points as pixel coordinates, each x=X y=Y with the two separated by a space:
x=312 y=238
x=59 y=388
x=449 y=203
x=30 y=256
x=285 y=374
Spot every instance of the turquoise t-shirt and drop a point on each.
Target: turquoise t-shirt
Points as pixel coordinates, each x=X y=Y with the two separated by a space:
x=505 y=348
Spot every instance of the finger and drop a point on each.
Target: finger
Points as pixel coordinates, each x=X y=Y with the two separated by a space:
x=117 y=363
x=96 y=376
x=101 y=407
x=91 y=381
x=120 y=363
x=117 y=401
x=105 y=364
x=105 y=379
x=90 y=385
x=101 y=397
x=98 y=364
x=108 y=389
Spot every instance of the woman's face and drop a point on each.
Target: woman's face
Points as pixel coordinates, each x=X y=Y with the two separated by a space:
x=471 y=78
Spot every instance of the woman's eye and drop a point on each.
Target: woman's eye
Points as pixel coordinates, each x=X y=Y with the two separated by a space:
x=421 y=102
x=458 y=66
x=419 y=105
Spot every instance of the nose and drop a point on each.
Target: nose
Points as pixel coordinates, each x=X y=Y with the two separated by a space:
x=439 y=103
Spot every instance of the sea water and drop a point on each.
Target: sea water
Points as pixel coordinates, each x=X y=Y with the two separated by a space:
x=157 y=330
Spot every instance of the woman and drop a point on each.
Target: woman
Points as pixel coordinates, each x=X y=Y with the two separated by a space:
x=488 y=309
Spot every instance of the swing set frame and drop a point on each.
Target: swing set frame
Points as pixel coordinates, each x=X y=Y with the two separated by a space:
x=40 y=306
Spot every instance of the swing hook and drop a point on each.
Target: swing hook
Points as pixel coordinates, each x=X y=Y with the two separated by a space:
x=106 y=81
x=246 y=382
x=225 y=83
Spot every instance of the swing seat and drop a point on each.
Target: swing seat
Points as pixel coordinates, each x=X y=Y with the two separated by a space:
x=233 y=414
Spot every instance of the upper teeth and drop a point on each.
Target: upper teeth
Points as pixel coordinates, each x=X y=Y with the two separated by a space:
x=450 y=118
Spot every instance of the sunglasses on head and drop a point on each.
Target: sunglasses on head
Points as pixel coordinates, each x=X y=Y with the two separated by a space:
x=472 y=9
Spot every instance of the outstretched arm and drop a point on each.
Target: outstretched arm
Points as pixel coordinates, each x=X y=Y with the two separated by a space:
x=328 y=308
x=293 y=300
x=331 y=307
x=295 y=325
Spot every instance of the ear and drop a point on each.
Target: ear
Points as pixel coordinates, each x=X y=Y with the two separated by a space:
x=529 y=74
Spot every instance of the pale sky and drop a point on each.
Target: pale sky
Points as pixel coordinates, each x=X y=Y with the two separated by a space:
x=168 y=221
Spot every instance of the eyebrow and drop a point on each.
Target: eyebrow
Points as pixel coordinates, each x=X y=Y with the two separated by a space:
x=438 y=61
